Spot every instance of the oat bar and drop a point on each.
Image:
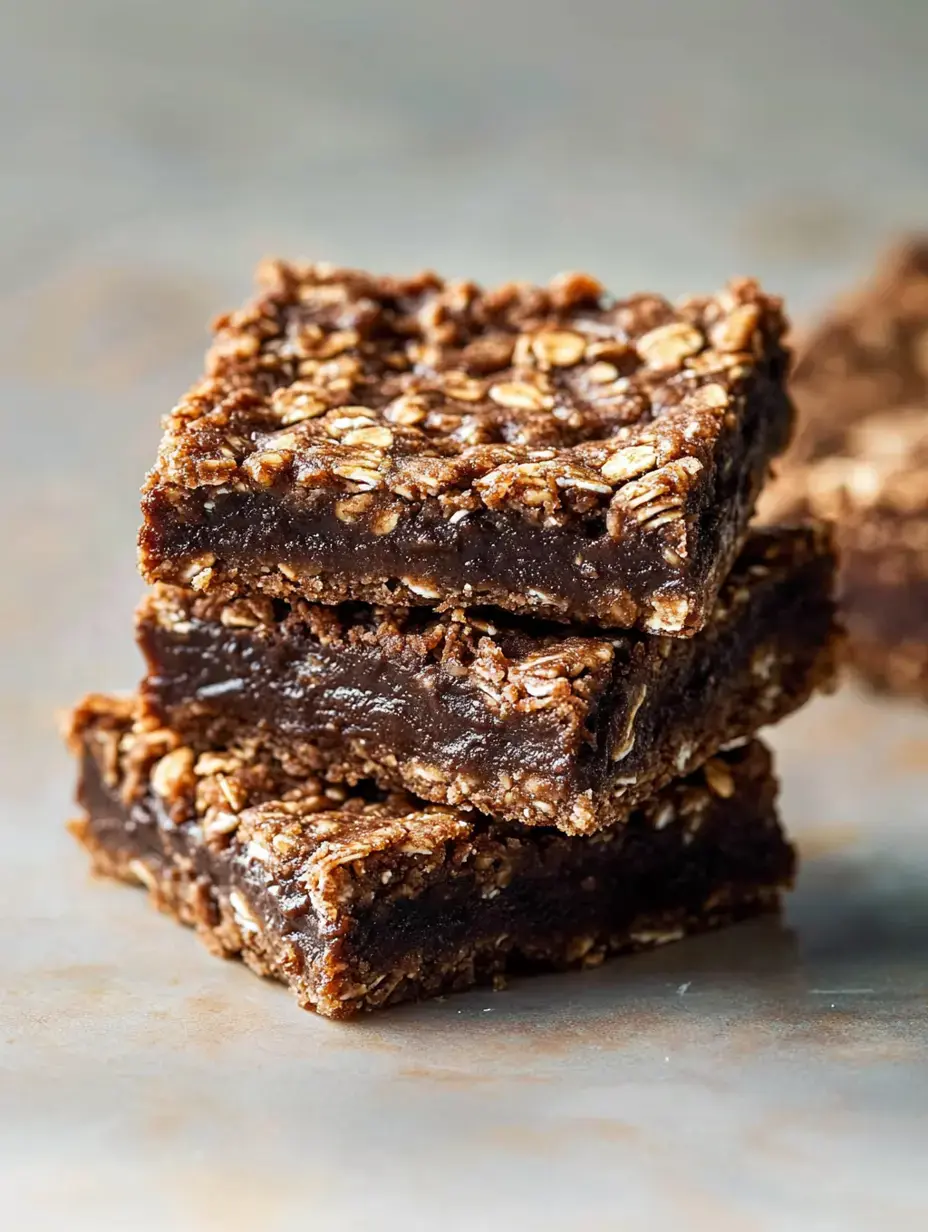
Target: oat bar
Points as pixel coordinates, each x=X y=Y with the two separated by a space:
x=867 y=356
x=535 y=724
x=875 y=487
x=405 y=442
x=861 y=458
x=357 y=902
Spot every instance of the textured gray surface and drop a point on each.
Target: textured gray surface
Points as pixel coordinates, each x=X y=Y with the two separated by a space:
x=772 y=1078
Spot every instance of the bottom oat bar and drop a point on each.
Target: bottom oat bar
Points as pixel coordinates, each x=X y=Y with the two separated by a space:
x=361 y=901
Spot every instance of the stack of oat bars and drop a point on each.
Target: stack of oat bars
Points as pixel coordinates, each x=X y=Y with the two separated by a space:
x=458 y=640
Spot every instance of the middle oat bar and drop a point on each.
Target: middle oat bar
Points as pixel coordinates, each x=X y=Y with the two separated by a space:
x=523 y=721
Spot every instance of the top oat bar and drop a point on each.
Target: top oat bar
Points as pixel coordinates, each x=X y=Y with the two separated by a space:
x=414 y=441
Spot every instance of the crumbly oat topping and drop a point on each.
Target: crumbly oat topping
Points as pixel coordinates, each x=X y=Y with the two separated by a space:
x=548 y=401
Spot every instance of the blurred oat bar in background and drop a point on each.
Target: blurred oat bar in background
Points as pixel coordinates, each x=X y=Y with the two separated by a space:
x=861 y=458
